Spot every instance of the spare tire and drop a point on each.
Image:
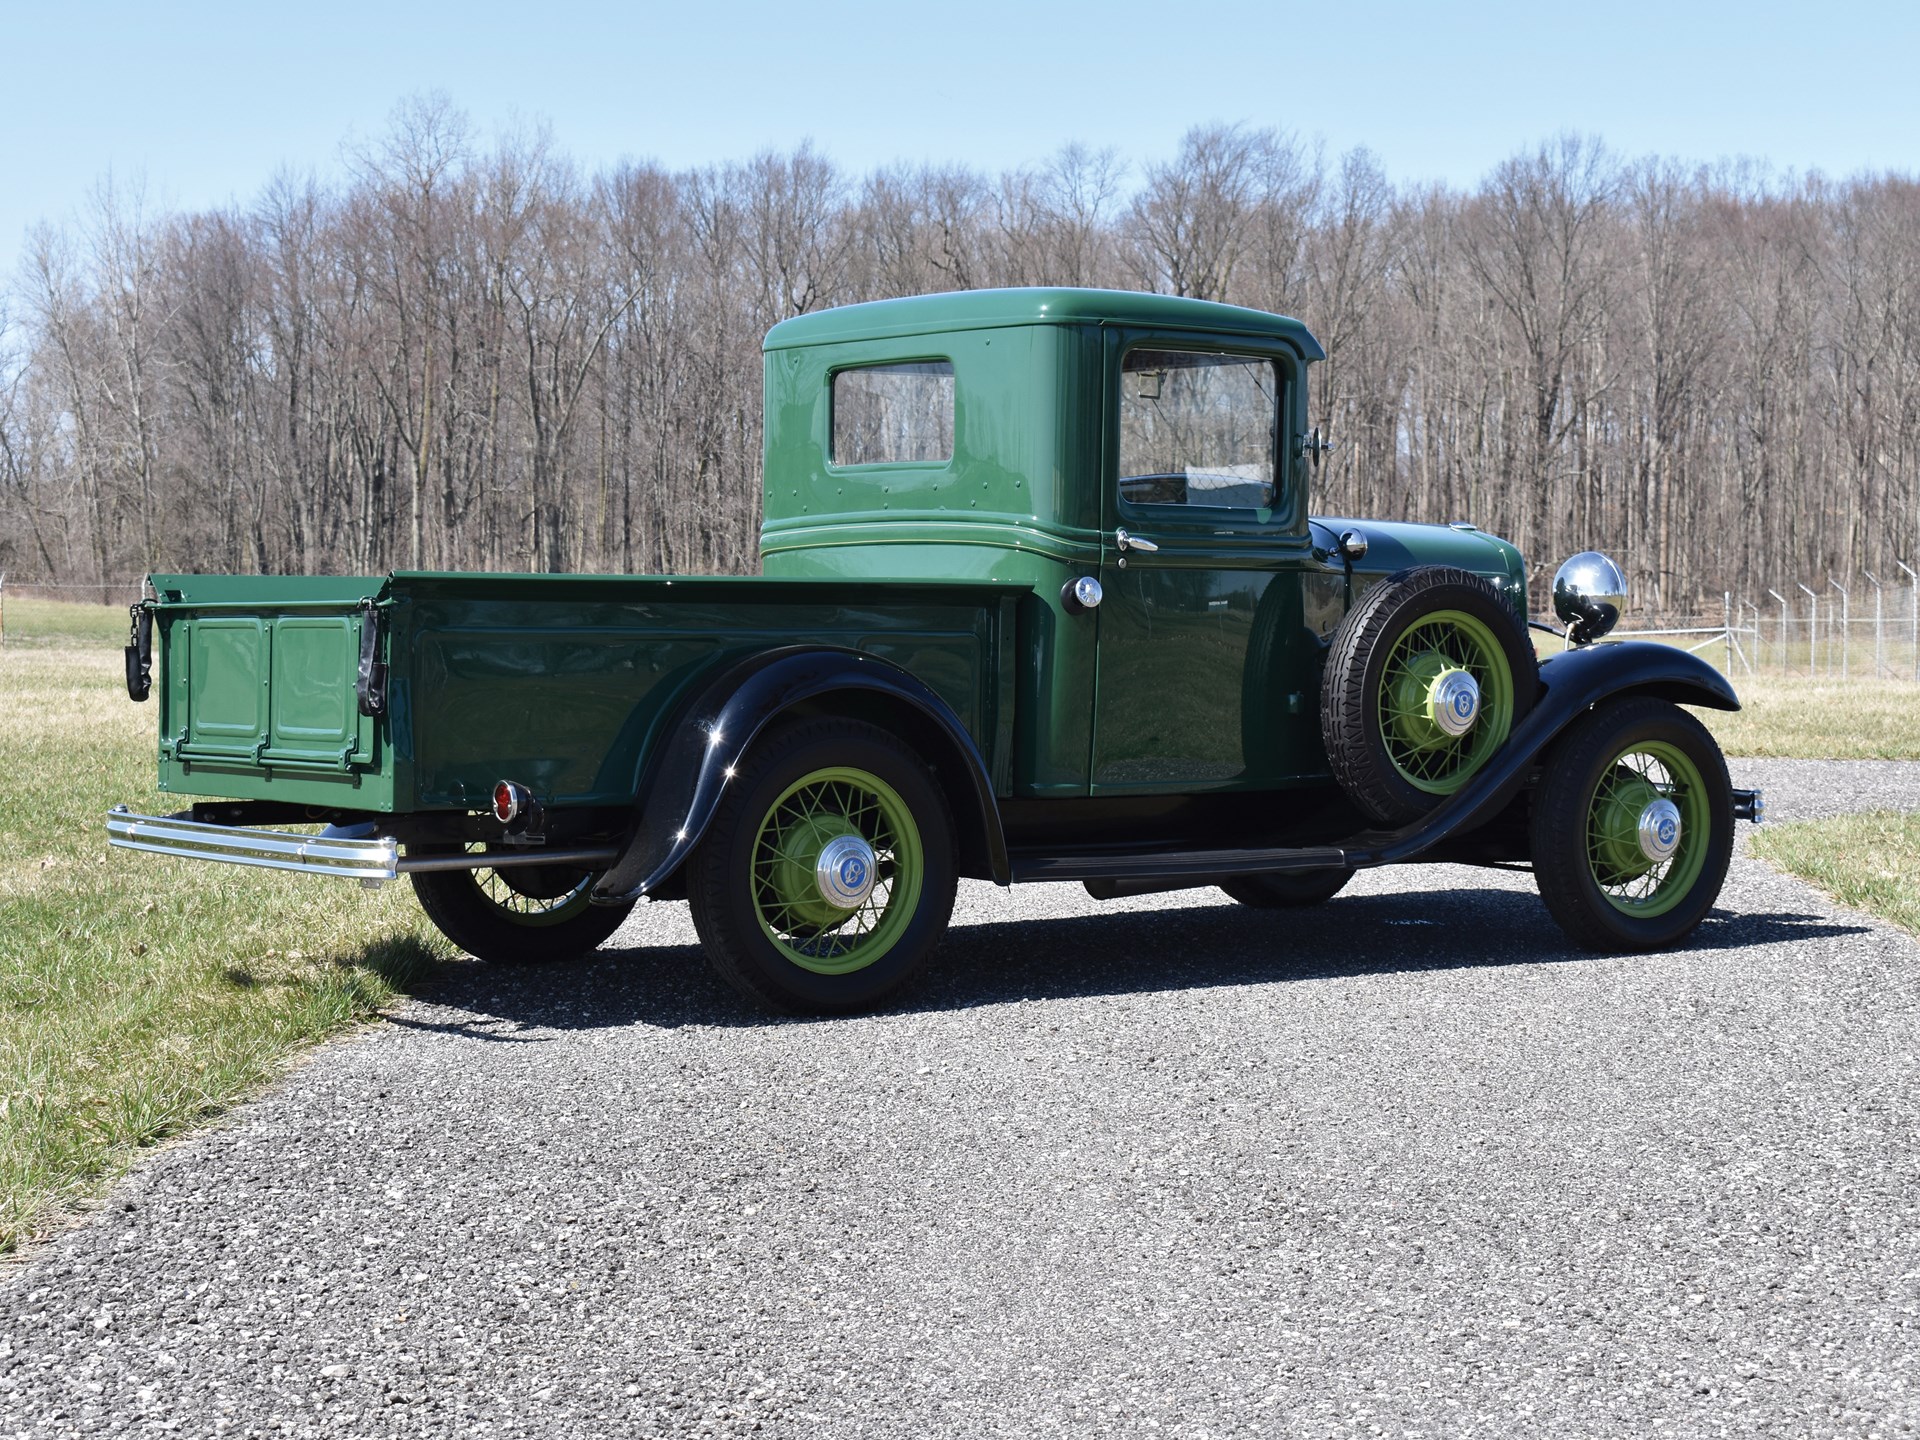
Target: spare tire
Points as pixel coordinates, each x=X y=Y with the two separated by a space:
x=1427 y=677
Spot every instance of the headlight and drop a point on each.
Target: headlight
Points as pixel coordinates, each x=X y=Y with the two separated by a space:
x=1588 y=593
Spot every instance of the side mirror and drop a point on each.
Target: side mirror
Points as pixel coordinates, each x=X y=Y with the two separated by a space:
x=1313 y=445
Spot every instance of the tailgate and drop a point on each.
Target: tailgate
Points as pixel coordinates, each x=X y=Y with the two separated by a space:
x=260 y=693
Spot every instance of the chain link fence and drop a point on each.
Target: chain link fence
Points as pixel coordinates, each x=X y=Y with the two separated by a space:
x=1868 y=630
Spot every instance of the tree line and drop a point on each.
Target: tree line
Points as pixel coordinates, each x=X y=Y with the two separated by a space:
x=465 y=356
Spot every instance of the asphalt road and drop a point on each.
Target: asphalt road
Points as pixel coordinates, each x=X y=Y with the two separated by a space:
x=1401 y=1165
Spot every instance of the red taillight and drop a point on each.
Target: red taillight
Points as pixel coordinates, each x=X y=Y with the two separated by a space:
x=511 y=800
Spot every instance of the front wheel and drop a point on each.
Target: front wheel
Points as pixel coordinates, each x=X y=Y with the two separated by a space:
x=1632 y=826
x=827 y=875
x=519 y=913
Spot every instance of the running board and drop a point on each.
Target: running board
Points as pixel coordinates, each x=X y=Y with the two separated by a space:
x=1193 y=867
x=1178 y=864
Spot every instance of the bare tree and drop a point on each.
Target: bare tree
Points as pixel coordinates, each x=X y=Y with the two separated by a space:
x=467 y=356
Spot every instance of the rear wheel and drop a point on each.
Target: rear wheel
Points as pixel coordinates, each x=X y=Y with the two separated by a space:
x=517 y=913
x=1287 y=891
x=827 y=875
x=1632 y=826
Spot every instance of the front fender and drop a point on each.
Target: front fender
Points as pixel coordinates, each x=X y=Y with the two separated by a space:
x=1570 y=684
x=713 y=731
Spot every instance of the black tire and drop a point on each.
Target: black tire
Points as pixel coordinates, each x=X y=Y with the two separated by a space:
x=517 y=915
x=1603 y=771
x=763 y=929
x=1394 y=765
x=1287 y=891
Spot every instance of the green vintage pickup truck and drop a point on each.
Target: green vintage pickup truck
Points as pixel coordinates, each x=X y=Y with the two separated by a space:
x=1041 y=601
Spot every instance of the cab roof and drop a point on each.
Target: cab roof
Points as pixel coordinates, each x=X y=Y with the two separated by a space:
x=995 y=309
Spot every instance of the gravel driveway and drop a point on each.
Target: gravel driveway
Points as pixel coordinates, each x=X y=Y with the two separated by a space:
x=1401 y=1165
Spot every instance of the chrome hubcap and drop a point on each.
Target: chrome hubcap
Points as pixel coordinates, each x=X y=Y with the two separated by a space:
x=1659 y=830
x=1453 y=703
x=844 y=873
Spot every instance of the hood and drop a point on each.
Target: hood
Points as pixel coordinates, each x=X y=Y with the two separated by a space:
x=1393 y=546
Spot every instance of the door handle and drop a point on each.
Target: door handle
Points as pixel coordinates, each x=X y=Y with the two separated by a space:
x=1133 y=542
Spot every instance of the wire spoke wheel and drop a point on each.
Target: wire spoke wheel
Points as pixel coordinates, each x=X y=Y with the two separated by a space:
x=1632 y=881
x=516 y=913
x=827 y=873
x=534 y=894
x=812 y=930
x=1427 y=677
x=1632 y=825
x=1426 y=754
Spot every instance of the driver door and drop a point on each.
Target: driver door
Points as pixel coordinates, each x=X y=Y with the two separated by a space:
x=1209 y=667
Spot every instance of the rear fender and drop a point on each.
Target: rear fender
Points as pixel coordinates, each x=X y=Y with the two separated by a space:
x=1570 y=684
x=714 y=730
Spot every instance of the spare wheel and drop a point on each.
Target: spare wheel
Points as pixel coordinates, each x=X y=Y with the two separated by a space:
x=1428 y=675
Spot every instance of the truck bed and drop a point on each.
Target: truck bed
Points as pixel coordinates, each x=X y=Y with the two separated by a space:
x=557 y=682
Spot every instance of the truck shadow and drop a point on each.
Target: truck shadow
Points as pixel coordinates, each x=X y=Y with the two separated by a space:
x=1120 y=953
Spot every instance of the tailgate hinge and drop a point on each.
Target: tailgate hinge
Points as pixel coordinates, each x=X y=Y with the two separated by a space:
x=371 y=686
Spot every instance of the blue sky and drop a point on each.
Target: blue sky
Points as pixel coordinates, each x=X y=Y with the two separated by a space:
x=207 y=100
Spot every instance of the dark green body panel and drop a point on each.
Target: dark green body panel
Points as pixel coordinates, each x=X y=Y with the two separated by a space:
x=559 y=682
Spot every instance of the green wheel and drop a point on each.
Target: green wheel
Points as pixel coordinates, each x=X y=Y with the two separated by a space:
x=827 y=875
x=1632 y=826
x=516 y=914
x=1427 y=677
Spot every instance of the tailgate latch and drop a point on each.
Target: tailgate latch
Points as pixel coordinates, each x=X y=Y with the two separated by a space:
x=371 y=685
x=139 y=651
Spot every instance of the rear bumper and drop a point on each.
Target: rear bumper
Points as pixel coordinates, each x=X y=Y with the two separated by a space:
x=345 y=853
x=354 y=857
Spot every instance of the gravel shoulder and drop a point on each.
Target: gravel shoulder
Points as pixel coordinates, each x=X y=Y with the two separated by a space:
x=1815 y=789
x=1401 y=1164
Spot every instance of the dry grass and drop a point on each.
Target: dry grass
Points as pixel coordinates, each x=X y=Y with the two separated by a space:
x=1795 y=717
x=1822 y=720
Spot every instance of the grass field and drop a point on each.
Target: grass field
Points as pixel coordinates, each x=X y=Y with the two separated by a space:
x=140 y=994
x=1871 y=862
x=1798 y=718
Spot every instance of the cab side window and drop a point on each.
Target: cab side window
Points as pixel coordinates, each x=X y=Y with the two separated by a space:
x=893 y=414
x=1198 y=429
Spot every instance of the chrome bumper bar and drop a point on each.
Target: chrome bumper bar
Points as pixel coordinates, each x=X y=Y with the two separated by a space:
x=350 y=853
x=1749 y=805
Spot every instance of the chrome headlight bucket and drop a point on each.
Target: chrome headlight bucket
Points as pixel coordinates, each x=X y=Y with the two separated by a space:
x=1589 y=593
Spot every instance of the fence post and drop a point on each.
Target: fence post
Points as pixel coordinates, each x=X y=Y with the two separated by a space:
x=3 y=607
x=1879 y=649
x=1783 y=628
x=1845 y=621
x=1813 y=630
x=1914 y=581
